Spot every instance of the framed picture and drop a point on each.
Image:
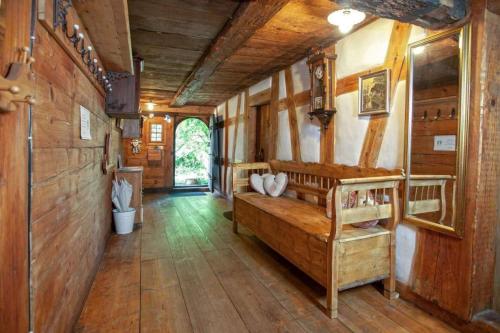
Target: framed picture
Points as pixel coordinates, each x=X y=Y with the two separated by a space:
x=374 y=93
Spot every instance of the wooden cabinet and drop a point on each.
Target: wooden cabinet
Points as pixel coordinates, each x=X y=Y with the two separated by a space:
x=134 y=176
x=123 y=100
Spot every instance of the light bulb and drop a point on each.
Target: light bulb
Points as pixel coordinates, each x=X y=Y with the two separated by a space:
x=151 y=115
x=345 y=28
x=150 y=105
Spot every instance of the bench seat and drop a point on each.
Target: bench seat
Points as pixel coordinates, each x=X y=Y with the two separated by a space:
x=306 y=216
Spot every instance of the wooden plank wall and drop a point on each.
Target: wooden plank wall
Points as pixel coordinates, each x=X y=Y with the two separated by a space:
x=71 y=213
x=14 y=192
x=157 y=174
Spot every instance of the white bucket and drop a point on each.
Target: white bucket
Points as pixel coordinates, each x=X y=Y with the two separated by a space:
x=124 y=221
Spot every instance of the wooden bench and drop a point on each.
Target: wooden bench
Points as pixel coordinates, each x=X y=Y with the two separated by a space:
x=331 y=251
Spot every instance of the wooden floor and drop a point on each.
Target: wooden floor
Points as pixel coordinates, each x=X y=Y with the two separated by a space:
x=185 y=271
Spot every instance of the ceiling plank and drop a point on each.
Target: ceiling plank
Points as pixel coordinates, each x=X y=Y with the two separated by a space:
x=248 y=18
x=107 y=23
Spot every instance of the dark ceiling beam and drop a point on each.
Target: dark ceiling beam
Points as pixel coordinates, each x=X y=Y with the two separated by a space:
x=248 y=18
x=432 y=14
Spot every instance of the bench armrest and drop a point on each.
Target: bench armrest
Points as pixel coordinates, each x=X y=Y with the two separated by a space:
x=242 y=172
x=370 y=203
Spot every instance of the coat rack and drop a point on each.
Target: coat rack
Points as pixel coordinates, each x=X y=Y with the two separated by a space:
x=77 y=39
x=18 y=86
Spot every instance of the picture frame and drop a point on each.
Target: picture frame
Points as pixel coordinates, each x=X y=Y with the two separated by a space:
x=374 y=93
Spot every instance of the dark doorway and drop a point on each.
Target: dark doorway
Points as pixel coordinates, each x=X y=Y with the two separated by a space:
x=262 y=132
x=216 y=132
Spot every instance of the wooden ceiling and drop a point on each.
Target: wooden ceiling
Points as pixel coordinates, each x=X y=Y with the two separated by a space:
x=176 y=37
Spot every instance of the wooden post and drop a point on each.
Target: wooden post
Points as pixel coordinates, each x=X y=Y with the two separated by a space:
x=326 y=145
x=273 y=117
x=246 y=124
x=332 y=288
x=292 y=116
x=226 y=142
x=390 y=282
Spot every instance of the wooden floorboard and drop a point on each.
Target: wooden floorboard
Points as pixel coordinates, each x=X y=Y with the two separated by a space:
x=186 y=271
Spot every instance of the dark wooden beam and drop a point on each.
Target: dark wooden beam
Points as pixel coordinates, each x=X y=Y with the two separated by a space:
x=431 y=14
x=248 y=18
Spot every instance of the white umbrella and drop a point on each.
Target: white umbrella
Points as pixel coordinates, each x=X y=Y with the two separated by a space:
x=121 y=195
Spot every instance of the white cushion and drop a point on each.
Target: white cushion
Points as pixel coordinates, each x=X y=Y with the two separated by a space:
x=276 y=185
x=257 y=182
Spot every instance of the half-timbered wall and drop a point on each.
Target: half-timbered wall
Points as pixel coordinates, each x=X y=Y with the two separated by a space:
x=71 y=208
x=439 y=270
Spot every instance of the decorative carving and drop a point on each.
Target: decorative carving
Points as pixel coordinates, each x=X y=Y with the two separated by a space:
x=324 y=116
x=115 y=76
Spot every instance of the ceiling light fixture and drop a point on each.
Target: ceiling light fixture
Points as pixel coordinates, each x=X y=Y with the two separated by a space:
x=346 y=18
x=150 y=106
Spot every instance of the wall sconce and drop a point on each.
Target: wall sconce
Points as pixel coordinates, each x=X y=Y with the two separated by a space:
x=151 y=115
x=168 y=118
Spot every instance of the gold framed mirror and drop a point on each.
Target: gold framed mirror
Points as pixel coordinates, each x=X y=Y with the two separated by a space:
x=436 y=131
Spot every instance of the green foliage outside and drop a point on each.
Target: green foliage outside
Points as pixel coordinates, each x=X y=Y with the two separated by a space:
x=192 y=148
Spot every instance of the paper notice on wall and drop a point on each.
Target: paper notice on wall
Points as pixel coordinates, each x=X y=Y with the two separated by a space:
x=445 y=142
x=85 y=124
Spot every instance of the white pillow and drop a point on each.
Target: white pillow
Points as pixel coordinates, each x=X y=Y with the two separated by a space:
x=257 y=182
x=275 y=185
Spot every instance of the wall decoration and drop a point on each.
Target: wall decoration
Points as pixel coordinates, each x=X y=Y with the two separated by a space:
x=321 y=72
x=136 y=146
x=85 y=124
x=374 y=93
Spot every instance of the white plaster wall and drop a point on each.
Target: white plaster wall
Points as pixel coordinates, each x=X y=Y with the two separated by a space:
x=300 y=76
x=284 y=149
x=350 y=129
x=309 y=133
x=258 y=87
x=406 y=236
x=363 y=49
x=282 y=90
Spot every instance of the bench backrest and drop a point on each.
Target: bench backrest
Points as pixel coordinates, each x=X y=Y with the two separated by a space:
x=315 y=180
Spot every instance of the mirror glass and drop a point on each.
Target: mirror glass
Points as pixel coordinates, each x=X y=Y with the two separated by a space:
x=435 y=133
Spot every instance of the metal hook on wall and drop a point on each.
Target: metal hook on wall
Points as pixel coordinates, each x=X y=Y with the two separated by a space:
x=438 y=115
x=424 y=117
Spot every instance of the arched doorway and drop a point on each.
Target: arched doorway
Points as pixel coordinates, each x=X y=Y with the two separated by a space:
x=192 y=148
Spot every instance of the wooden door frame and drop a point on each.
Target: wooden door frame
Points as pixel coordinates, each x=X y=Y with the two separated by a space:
x=177 y=121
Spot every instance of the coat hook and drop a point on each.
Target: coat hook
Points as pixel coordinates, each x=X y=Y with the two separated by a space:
x=452 y=113
x=438 y=115
x=14 y=90
x=28 y=99
x=424 y=117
